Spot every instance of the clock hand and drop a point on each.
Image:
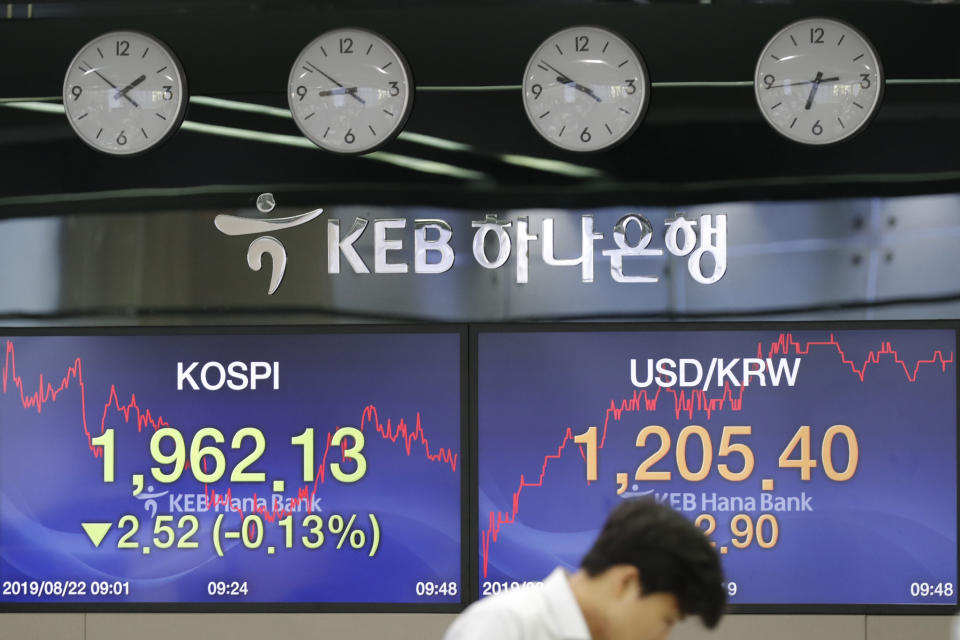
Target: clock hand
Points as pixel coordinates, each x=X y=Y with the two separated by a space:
x=123 y=92
x=328 y=77
x=579 y=87
x=794 y=84
x=105 y=79
x=129 y=99
x=813 y=91
x=338 y=92
x=567 y=80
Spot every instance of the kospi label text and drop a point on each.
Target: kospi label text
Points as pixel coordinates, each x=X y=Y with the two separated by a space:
x=236 y=376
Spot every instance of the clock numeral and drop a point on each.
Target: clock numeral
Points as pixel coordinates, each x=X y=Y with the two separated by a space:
x=816 y=35
x=121 y=139
x=768 y=81
x=585 y=135
x=536 y=90
x=346 y=45
x=302 y=92
x=76 y=91
x=349 y=138
x=581 y=43
x=168 y=92
x=394 y=89
x=123 y=48
x=865 y=80
x=631 y=86
x=816 y=129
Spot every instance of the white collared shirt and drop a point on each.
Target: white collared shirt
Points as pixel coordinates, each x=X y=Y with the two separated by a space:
x=547 y=612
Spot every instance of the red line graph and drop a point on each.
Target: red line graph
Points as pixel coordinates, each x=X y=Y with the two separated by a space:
x=48 y=392
x=696 y=400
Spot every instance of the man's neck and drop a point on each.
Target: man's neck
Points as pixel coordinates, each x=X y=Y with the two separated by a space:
x=585 y=592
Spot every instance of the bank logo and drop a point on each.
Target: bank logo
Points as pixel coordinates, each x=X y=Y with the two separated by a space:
x=265 y=244
x=150 y=500
x=702 y=241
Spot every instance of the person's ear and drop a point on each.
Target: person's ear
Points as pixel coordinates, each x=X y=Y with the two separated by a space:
x=628 y=581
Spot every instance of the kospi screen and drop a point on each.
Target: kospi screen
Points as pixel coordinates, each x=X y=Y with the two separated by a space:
x=820 y=462
x=317 y=470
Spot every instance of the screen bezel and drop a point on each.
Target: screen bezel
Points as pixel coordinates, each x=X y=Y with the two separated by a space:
x=469 y=480
x=281 y=607
x=589 y=327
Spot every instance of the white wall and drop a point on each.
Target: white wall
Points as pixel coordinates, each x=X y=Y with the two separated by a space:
x=108 y=626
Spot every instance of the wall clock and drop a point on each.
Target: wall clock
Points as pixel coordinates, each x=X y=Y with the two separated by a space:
x=818 y=81
x=124 y=93
x=585 y=89
x=350 y=91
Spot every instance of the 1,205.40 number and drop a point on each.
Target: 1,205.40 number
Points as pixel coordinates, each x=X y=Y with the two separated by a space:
x=796 y=455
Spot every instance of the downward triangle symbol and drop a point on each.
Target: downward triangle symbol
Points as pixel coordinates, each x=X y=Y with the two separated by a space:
x=96 y=530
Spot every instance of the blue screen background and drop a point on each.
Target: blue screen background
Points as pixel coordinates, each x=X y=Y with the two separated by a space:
x=50 y=480
x=865 y=541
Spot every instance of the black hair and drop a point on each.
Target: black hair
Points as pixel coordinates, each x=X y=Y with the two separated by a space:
x=671 y=554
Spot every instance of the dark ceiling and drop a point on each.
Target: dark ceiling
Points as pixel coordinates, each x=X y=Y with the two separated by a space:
x=697 y=144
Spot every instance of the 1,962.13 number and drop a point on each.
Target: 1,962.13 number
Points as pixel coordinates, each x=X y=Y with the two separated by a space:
x=208 y=463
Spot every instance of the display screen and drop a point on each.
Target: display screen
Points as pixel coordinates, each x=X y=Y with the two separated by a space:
x=299 y=468
x=821 y=463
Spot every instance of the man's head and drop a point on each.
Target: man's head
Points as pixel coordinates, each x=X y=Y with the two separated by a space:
x=649 y=567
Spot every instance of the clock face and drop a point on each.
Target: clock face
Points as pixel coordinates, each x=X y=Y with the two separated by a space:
x=585 y=89
x=818 y=81
x=350 y=91
x=124 y=93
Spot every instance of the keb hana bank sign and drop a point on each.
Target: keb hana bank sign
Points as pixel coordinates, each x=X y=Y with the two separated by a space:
x=495 y=239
